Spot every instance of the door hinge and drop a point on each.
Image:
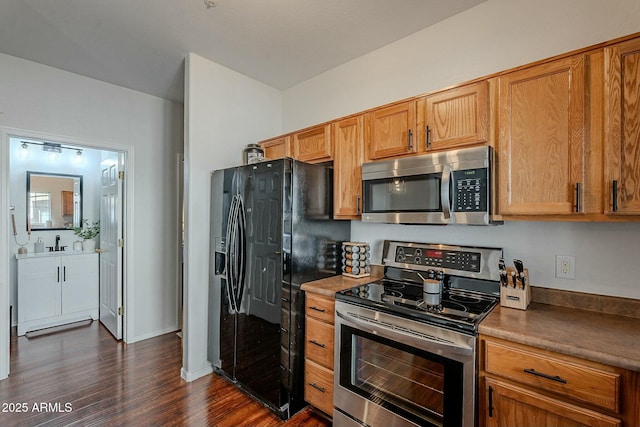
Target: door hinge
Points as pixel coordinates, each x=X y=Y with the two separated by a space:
x=120 y=174
x=120 y=311
x=121 y=243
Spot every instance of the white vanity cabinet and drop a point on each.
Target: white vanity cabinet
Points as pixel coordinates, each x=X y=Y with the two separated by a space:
x=56 y=288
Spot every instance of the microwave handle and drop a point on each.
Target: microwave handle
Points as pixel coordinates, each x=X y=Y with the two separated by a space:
x=445 y=191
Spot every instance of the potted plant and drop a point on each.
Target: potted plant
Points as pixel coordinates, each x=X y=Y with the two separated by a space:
x=88 y=233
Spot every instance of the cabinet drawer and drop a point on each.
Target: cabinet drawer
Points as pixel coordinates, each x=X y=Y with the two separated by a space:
x=319 y=342
x=320 y=307
x=567 y=377
x=318 y=386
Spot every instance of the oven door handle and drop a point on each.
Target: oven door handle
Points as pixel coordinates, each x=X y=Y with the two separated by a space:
x=412 y=337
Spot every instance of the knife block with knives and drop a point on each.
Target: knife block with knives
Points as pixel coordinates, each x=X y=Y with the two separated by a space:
x=515 y=289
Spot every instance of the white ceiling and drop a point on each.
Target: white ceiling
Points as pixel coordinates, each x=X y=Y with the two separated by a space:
x=141 y=44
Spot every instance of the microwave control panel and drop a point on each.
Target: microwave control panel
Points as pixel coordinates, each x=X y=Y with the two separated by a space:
x=470 y=190
x=454 y=260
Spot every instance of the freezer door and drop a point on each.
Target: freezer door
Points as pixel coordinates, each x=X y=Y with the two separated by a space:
x=221 y=349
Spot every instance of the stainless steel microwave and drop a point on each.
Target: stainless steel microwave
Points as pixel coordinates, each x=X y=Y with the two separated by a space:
x=448 y=187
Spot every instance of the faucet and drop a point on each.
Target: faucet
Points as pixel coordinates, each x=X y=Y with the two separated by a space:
x=57 y=242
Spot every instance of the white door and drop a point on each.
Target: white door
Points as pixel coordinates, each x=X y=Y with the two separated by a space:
x=111 y=260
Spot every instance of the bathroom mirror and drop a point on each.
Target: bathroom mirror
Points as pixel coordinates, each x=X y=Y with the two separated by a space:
x=54 y=201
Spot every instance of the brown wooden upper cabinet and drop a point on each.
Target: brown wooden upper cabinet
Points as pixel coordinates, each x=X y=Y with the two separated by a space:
x=313 y=145
x=348 y=138
x=277 y=148
x=390 y=131
x=541 y=119
x=67 y=203
x=622 y=128
x=455 y=117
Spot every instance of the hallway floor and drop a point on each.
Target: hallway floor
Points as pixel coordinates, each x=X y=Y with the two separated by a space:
x=84 y=377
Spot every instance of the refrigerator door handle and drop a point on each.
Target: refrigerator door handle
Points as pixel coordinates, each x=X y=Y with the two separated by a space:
x=231 y=259
x=227 y=252
x=241 y=255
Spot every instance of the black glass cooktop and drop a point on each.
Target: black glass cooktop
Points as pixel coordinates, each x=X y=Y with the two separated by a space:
x=459 y=309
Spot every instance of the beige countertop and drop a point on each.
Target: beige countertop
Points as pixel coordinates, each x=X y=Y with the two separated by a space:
x=600 y=337
x=331 y=285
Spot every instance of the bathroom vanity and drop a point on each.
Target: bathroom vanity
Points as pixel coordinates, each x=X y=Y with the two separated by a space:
x=55 y=288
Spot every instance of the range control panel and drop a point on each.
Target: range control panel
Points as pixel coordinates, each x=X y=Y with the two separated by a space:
x=449 y=259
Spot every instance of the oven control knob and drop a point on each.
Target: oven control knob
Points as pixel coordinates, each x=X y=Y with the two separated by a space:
x=418 y=251
x=400 y=258
x=417 y=261
x=431 y=274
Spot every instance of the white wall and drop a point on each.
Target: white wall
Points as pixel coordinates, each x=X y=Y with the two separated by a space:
x=493 y=36
x=224 y=111
x=43 y=99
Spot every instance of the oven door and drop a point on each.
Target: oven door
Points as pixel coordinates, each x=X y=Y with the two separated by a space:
x=391 y=371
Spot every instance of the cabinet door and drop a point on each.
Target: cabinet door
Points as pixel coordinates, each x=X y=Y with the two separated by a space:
x=510 y=405
x=347 y=167
x=277 y=148
x=67 y=203
x=38 y=288
x=391 y=131
x=622 y=128
x=79 y=278
x=457 y=117
x=313 y=145
x=541 y=138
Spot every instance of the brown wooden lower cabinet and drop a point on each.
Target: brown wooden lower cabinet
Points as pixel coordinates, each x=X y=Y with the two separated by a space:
x=318 y=386
x=512 y=405
x=521 y=385
x=318 y=367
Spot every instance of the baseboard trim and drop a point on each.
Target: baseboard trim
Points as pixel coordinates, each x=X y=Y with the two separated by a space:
x=194 y=375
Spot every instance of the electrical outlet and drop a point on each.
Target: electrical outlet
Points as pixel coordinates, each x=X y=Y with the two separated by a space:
x=565 y=267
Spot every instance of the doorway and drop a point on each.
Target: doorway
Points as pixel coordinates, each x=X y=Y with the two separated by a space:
x=24 y=151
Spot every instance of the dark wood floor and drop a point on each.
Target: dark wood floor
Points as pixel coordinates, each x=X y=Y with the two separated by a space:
x=84 y=377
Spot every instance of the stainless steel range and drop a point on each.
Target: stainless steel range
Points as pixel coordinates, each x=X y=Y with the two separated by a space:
x=406 y=344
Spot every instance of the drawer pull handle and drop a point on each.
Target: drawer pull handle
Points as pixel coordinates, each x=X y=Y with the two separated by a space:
x=548 y=377
x=321 y=310
x=317 y=387
x=490 y=402
x=317 y=343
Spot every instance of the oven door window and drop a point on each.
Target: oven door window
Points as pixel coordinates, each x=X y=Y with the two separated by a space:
x=423 y=387
x=419 y=193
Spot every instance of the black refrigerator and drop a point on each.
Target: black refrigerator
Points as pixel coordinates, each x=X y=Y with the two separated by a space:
x=271 y=231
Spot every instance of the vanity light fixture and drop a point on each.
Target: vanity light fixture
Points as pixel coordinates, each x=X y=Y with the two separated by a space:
x=51 y=147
